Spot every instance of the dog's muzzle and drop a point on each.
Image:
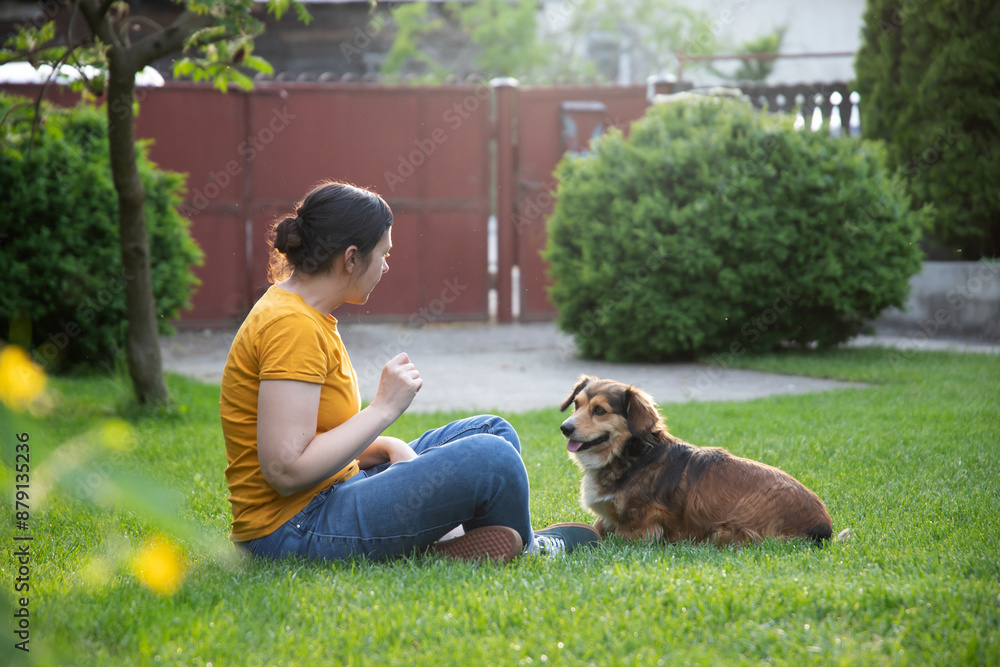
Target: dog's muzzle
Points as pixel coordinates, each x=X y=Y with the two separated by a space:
x=573 y=445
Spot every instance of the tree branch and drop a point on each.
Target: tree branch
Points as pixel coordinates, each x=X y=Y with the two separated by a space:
x=13 y=109
x=104 y=7
x=41 y=95
x=170 y=40
x=123 y=28
x=25 y=55
x=96 y=15
x=72 y=19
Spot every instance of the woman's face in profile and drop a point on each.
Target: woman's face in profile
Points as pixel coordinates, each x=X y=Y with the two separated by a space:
x=377 y=266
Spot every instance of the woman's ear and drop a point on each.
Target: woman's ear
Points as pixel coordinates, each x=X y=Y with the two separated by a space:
x=351 y=258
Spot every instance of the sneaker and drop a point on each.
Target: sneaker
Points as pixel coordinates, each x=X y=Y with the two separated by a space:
x=493 y=543
x=562 y=538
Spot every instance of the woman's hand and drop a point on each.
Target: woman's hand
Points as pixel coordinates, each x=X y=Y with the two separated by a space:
x=399 y=383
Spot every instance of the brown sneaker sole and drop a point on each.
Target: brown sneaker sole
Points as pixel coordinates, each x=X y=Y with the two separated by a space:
x=493 y=543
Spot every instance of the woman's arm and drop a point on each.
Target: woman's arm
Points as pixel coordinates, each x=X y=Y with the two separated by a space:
x=386 y=449
x=293 y=457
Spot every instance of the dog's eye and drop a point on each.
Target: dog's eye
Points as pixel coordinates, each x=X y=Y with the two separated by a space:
x=599 y=410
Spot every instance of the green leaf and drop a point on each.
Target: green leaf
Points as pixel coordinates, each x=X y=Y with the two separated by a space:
x=303 y=13
x=184 y=67
x=240 y=79
x=259 y=64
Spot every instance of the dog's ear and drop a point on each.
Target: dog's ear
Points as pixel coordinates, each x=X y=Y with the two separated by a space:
x=581 y=382
x=640 y=412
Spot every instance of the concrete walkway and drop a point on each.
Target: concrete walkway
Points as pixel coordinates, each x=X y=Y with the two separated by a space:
x=479 y=367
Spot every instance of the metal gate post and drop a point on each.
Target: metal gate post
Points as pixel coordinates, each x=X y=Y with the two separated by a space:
x=505 y=133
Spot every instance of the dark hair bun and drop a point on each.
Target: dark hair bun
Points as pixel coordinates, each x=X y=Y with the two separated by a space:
x=288 y=235
x=340 y=215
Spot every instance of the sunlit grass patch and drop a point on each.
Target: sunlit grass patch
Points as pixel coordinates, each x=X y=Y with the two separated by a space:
x=911 y=464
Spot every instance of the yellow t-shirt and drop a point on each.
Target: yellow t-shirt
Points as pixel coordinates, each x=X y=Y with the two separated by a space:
x=283 y=338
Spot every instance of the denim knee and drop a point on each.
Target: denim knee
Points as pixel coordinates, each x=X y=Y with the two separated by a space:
x=501 y=427
x=495 y=454
x=491 y=462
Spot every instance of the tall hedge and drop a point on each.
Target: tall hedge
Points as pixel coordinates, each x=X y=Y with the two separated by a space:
x=717 y=228
x=929 y=76
x=60 y=256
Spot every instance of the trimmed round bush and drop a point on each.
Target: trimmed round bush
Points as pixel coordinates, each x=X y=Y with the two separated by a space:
x=715 y=228
x=60 y=256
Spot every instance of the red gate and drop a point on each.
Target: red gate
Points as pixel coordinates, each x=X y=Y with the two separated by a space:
x=536 y=127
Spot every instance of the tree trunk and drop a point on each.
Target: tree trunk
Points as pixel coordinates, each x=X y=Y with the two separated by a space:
x=142 y=348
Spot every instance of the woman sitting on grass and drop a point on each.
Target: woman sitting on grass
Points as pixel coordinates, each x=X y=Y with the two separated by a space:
x=310 y=472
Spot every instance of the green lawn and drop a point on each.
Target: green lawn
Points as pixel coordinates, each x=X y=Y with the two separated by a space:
x=911 y=464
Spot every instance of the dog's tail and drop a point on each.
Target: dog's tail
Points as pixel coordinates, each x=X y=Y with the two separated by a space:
x=823 y=533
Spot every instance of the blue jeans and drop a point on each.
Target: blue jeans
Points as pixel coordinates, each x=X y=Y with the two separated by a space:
x=467 y=473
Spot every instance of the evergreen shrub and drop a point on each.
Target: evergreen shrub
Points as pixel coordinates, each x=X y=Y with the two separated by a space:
x=715 y=228
x=929 y=75
x=60 y=258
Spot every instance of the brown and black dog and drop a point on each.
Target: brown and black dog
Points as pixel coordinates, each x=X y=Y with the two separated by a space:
x=643 y=483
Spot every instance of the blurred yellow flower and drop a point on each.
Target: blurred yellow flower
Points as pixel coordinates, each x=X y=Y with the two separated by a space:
x=160 y=566
x=21 y=380
x=117 y=434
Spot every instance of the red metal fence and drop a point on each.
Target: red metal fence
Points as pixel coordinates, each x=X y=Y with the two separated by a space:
x=252 y=156
x=430 y=151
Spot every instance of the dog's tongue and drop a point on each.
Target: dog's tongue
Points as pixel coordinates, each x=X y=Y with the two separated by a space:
x=574 y=445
